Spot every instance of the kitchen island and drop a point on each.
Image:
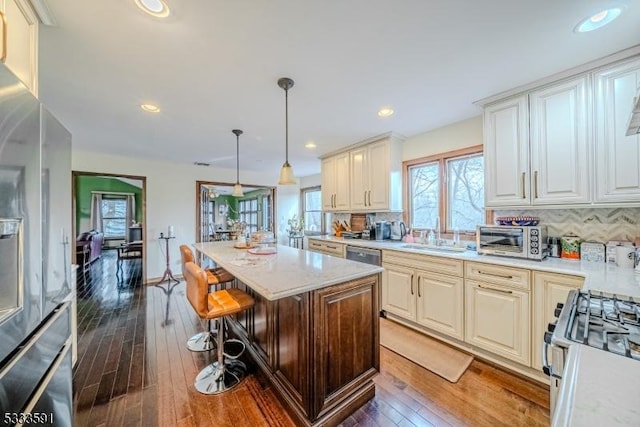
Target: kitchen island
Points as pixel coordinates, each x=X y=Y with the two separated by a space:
x=314 y=329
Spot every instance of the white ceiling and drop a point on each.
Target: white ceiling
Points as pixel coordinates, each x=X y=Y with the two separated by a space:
x=213 y=66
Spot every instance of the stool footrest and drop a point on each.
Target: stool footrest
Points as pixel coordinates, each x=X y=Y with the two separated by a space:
x=233 y=348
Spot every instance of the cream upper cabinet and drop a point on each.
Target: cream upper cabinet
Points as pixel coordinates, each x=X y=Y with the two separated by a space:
x=617 y=156
x=536 y=147
x=498 y=320
x=549 y=289
x=376 y=176
x=335 y=183
x=506 y=153
x=560 y=140
x=371 y=180
x=20 y=48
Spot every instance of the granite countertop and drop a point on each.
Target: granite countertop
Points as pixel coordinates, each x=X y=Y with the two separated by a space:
x=592 y=395
x=604 y=277
x=288 y=272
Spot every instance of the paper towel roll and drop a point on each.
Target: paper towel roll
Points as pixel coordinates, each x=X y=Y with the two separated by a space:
x=624 y=256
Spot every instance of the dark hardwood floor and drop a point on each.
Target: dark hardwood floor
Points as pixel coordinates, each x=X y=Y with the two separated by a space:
x=134 y=369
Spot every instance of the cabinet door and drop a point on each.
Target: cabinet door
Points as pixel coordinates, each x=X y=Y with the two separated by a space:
x=341 y=188
x=498 y=320
x=359 y=178
x=440 y=303
x=560 y=141
x=378 y=158
x=328 y=169
x=22 y=42
x=548 y=290
x=617 y=155
x=398 y=293
x=506 y=156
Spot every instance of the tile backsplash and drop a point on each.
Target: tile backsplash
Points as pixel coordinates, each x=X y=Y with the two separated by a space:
x=600 y=224
x=379 y=216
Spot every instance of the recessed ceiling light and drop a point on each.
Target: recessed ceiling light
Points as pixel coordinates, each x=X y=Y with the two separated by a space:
x=598 y=20
x=156 y=8
x=150 y=108
x=385 y=112
x=310 y=144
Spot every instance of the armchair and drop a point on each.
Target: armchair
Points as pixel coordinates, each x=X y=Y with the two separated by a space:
x=95 y=240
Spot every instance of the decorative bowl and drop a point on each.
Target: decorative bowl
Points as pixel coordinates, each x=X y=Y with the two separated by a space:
x=521 y=221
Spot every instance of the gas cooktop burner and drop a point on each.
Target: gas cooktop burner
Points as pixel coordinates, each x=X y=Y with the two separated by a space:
x=607 y=322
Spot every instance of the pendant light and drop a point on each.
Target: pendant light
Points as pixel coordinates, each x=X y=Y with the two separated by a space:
x=286 y=173
x=237 y=189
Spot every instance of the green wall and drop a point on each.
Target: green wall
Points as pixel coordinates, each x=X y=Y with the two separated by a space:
x=85 y=184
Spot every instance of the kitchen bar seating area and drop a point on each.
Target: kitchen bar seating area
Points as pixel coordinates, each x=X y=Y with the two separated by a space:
x=134 y=369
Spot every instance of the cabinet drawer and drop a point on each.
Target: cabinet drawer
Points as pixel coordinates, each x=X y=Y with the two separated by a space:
x=498 y=275
x=434 y=264
x=328 y=248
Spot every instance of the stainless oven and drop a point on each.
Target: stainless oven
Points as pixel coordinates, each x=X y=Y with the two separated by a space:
x=512 y=241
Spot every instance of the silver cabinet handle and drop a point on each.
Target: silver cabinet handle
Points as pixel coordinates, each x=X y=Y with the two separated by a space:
x=502 y=276
x=504 y=291
x=332 y=247
x=522 y=179
x=365 y=197
x=3 y=18
x=419 y=294
x=369 y=197
x=535 y=184
x=412 y=284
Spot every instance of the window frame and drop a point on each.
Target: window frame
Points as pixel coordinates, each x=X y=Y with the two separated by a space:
x=243 y=214
x=303 y=210
x=443 y=193
x=110 y=197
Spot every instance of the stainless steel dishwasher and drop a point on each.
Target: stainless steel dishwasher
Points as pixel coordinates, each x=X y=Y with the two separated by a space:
x=369 y=256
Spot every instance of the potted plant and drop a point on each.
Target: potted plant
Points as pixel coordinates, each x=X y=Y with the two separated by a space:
x=296 y=226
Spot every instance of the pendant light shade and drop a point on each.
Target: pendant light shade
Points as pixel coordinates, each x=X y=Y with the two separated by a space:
x=237 y=189
x=286 y=173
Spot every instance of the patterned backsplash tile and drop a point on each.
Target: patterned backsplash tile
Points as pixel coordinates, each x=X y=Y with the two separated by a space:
x=600 y=224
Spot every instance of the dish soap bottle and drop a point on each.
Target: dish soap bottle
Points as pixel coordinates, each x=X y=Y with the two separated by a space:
x=408 y=238
x=431 y=238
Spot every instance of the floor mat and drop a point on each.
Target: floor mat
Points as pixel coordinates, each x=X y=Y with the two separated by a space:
x=433 y=355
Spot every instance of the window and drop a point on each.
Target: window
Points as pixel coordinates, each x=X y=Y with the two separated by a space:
x=248 y=213
x=312 y=210
x=114 y=217
x=448 y=188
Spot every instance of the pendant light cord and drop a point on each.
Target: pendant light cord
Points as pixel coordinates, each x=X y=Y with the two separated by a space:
x=237 y=159
x=286 y=124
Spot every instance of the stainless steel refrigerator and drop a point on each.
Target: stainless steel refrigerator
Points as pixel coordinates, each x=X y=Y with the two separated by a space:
x=35 y=282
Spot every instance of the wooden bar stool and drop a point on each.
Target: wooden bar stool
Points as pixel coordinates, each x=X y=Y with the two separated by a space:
x=204 y=341
x=223 y=374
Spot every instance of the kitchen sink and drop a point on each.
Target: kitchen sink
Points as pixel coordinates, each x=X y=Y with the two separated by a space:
x=443 y=248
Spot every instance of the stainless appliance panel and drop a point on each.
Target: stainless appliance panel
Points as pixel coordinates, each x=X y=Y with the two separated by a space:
x=20 y=199
x=368 y=256
x=54 y=404
x=23 y=372
x=56 y=215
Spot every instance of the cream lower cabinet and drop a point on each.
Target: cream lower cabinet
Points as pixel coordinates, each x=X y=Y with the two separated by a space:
x=549 y=289
x=497 y=310
x=440 y=303
x=424 y=295
x=498 y=320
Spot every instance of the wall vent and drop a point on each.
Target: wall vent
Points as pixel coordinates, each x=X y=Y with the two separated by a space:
x=201 y=164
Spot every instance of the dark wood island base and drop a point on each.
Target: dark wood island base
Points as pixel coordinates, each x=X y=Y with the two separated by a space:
x=318 y=349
